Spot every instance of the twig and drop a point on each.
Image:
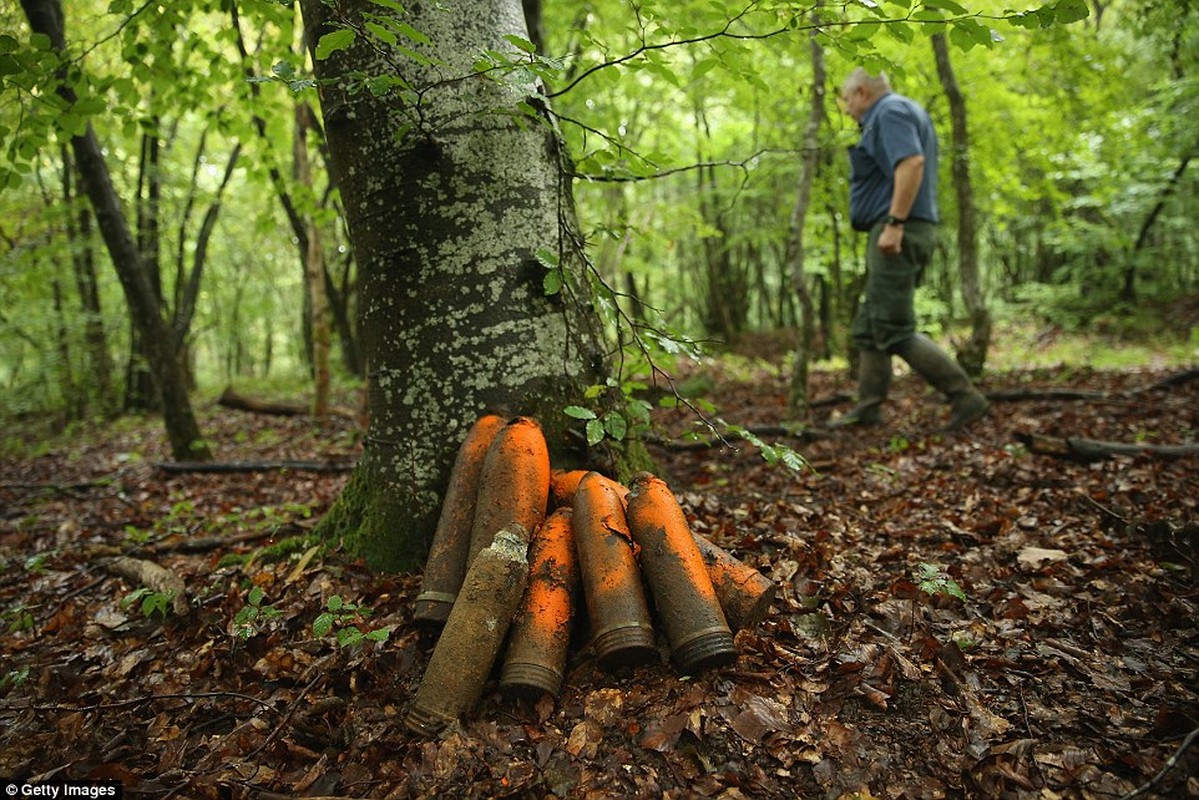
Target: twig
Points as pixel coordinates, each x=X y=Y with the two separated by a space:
x=151 y=698
x=1171 y=763
x=291 y=710
x=176 y=467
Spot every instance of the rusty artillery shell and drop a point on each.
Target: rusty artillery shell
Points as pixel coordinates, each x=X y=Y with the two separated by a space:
x=745 y=594
x=621 y=631
x=564 y=484
x=514 y=484
x=446 y=565
x=536 y=656
x=686 y=602
x=471 y=639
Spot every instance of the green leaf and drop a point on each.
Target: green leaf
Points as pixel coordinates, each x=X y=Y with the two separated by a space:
x=1068 y=11
x=411 y=33
x=934 y=581
x=595 y=432
x=380 y=635
x=89 y=106
x=578 y=412
x=332 y=42
x=391 y=4
x=8 y=44
x=616 y=425
x=383 y=33
x=521 y=44
x=335 y=603
x=349 y=637
x=552 y=282
x=322 y=625
x=256 y=596
x=947 y=5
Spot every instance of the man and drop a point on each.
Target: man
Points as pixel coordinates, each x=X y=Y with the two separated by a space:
x=893 y=196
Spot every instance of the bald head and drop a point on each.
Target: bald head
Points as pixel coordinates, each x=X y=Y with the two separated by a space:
x=861 y=89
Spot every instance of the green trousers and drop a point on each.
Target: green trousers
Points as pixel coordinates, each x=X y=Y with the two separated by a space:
x=887 y=315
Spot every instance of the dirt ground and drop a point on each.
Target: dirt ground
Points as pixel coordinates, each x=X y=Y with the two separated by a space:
x=956 y=617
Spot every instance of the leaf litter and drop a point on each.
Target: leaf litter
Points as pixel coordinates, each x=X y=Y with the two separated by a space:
x=956 y=618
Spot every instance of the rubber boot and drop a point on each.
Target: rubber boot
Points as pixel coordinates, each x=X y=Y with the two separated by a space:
x=874 y=379
x=934 y=365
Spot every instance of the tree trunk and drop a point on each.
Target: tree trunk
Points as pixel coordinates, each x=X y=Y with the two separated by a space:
x=79 y=234
x=726 y=285
x=445 y=222
x=45 y=17
x=140 y=394
x=798 y=399
x=973 y=354
x=314 y=274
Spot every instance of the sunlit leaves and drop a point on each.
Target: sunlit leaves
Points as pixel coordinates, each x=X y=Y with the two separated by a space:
x=1060 y=12
x=335 y=41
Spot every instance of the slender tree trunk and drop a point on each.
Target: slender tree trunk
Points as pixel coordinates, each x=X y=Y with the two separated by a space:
x=79 y=233
x=45 y=17
x=446 y=221
x=340 y=295
x=726 y=290
x=532 y=9
x=189 y=280
x=973 y=354
x=140 y=392
x=798 y=400
x=72 y=396
x=314 y=268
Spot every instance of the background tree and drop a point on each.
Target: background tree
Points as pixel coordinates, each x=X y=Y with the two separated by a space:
x=973 y=355
x=46 y=18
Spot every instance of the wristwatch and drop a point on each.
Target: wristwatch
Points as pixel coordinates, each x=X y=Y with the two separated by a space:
x=891 y=219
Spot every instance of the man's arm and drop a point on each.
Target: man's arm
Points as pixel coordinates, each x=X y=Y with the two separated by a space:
x=909 y=174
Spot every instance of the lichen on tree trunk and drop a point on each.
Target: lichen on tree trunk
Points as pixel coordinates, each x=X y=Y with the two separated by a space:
x=449 y=195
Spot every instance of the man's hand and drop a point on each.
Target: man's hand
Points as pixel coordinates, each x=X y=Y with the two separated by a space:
x=890 y=241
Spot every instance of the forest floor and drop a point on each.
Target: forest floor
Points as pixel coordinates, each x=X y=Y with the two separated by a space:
x=957 y=617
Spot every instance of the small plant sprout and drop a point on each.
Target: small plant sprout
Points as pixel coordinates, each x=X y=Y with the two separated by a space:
x=247 y=621
x=150 y=600
x=343 y=616
x=933 y=580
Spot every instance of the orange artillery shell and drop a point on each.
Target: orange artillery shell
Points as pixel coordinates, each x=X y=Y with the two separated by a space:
x=446 y=564
x=564 y=484
x=621 y=631
x=470 y=642
x=678 y=578
x=745 y=594
x=514 y=484
x=536 y=654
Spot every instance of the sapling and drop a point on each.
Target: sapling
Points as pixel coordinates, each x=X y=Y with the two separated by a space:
x=933 y=580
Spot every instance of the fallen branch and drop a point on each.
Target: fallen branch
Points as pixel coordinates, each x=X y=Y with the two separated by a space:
x=1171 y=762
x=152 y=576
x=1088 y=450
x=1013 y=395
x=231 y=399
x=1101 y=397
x=1170 y=382
x=205 y=543
x=187 y=696
x=175 y=467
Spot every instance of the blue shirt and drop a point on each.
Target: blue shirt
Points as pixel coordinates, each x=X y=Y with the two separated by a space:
x=894 y=128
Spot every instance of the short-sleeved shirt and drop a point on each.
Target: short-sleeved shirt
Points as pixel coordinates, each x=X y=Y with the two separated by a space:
x=894 y=128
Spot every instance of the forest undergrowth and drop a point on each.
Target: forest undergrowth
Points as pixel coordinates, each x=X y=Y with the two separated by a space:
x=957 y=616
